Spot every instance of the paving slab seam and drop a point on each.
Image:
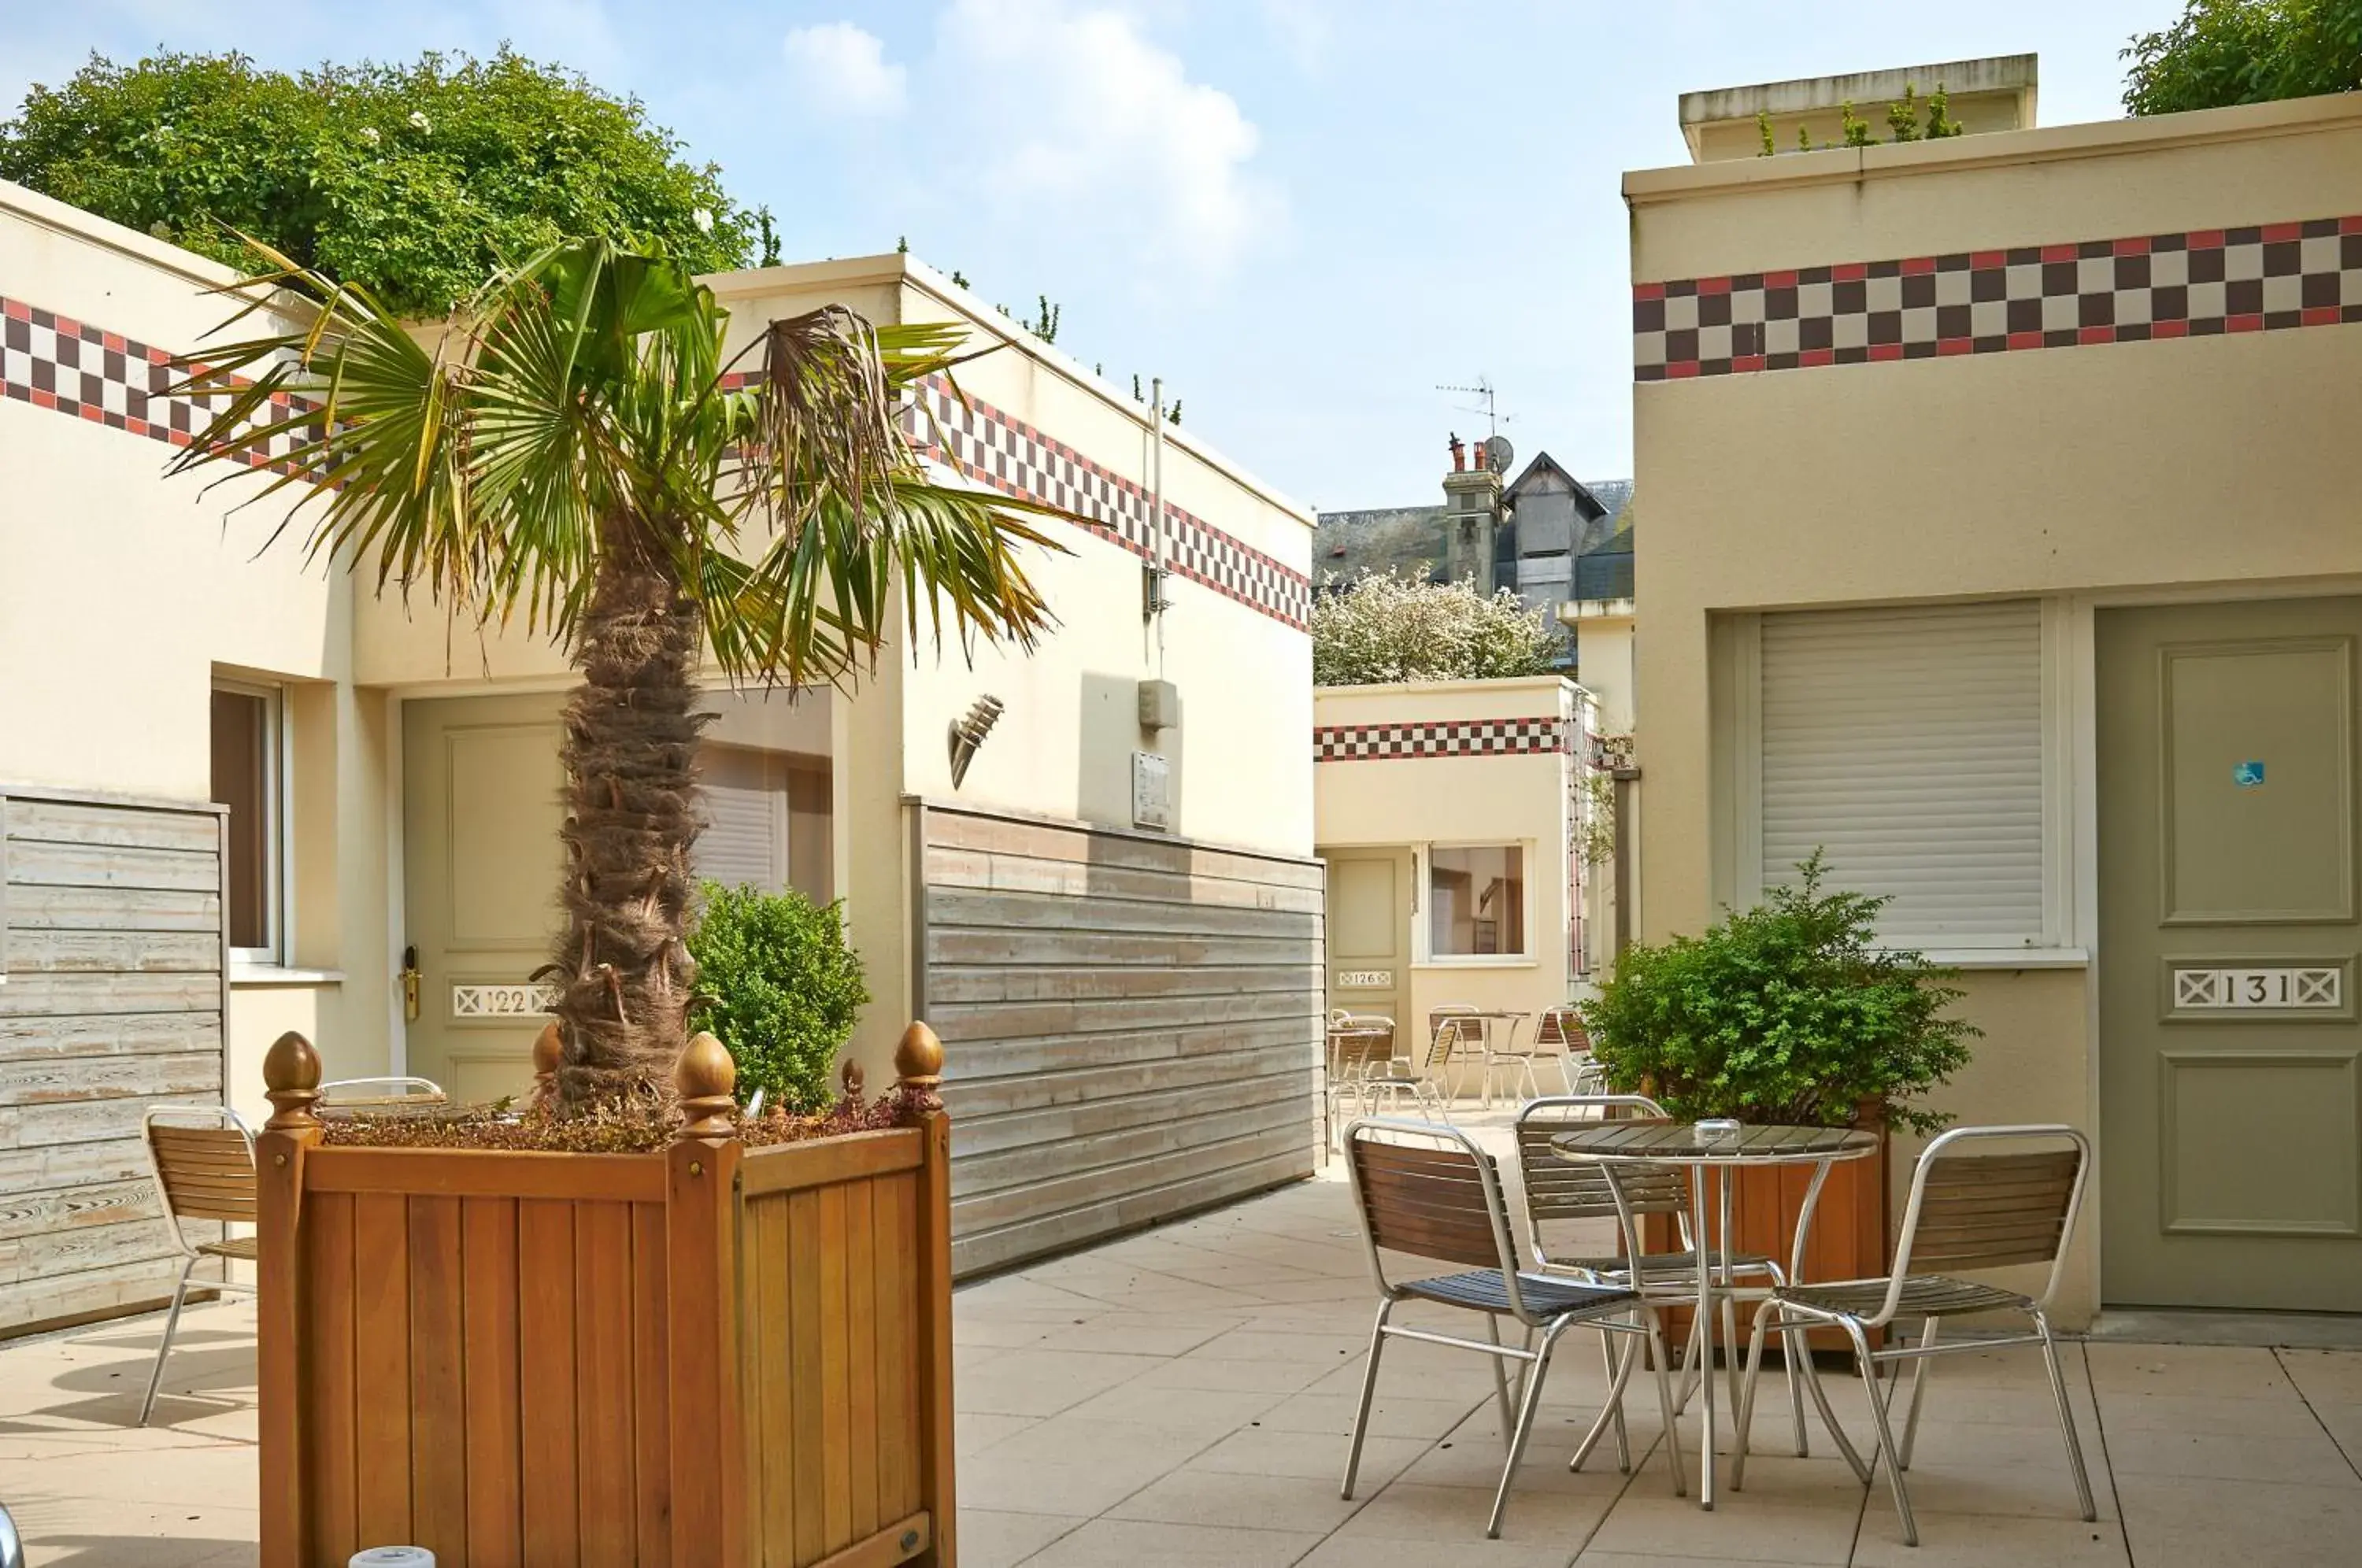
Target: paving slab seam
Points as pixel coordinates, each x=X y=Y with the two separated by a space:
x=2107 y=1463
x=2281 y=1360
x=1183 y=1463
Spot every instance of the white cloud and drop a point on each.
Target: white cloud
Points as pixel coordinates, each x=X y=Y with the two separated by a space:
x=840 y=68
x=1080 y=120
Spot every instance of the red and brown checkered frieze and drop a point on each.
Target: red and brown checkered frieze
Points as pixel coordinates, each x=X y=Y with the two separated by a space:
x=1460 y=737
x=2266 y=278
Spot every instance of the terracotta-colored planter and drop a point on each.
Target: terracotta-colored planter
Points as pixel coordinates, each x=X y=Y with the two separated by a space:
x=708 y=1356
x=1848 y=1239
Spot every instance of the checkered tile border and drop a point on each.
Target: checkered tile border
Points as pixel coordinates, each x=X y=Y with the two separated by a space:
x=53 y=361
x=983 y=444
x=1474 y=738
x=1989 y=302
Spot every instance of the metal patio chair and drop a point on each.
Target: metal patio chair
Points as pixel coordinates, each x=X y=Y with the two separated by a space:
x=381 y=1096
x=1967 y=1211
x=1560 y=1028
x=1429 y=1192
x=1503 y=1046
x=1361 y=1046
x=1559 y=1190
x=1455 y=1032
x=202 y=1160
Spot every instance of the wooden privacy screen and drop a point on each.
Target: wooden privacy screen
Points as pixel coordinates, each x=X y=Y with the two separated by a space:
x=111 y=1001
x=713 y=1355
x=1136 y=1021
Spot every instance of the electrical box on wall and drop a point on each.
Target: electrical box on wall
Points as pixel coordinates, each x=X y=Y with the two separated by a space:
x=1151 y=791
x=1160 y=705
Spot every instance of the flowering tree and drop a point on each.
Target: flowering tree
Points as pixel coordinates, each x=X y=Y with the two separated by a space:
x=1386 y=628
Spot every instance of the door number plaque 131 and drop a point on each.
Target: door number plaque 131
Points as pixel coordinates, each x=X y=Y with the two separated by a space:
x=2289 y=987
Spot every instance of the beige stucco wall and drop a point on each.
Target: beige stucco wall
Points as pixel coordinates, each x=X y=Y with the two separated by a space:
x=1241 y=770
x=2223 y=465
x=122 y=594
x=1421 y=800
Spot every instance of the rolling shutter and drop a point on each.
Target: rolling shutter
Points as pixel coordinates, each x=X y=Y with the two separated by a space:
x=1907 y=743
x=746 y=838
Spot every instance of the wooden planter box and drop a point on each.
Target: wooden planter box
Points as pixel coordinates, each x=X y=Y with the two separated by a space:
x=705 y=1357
x=1847 y=1242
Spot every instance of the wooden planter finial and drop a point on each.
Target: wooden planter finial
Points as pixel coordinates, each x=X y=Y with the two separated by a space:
x=291 y=1071
x=704 y=1078
x=548 y=1051
x=919 y=1059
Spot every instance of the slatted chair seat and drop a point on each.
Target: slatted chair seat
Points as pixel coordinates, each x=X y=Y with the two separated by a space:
x=1967 y=1211
x=202 y=1160
x=1484 y=1290
x=1425 y=1191
x=1684 y=1263
x=1921 y=1294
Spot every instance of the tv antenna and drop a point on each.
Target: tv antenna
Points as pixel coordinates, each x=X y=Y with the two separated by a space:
x=1490 y=409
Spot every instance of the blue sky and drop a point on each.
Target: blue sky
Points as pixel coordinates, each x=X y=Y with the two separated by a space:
x=1304 y=214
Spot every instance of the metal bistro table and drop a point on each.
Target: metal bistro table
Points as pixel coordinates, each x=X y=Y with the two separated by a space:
x=1612 y=1144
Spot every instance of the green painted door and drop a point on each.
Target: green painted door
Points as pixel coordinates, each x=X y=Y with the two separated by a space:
x=1369 y=932
x=2230 y=1059
x=481 y=814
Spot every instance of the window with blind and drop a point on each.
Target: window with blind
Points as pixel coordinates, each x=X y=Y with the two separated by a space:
x=768 y=821
x=247 y=778
x=746 y=838
x=1907 y=743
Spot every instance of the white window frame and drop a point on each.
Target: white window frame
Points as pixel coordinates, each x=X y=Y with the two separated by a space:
x=1423 y=954
x=2054 y=945
x=278 y=888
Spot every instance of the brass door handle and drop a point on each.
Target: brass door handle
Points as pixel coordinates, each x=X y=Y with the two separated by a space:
x=409 y=977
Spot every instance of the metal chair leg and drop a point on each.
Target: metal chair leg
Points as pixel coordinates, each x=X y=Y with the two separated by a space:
x=2066 y=1416
x=1730 y=1346
x=1369 y=1391
x=1742 y=1417
x=1800 y=1350
x=1918 y=1387
x=1884 y=1433
x=1658 y=1355
x=1788 y=1366
x=172 y=1324
x=1623 y=1437
x=1534 y=1375
x=1619 y=1376
x=1500 y=1372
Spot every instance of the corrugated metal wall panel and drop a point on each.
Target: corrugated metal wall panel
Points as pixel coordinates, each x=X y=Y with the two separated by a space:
x=1131 y=1027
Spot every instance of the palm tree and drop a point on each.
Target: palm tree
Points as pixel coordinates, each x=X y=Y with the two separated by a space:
x=573 y=445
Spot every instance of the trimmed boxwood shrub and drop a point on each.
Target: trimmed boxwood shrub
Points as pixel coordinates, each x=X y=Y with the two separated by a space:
x=779 y=984
x=1786 y=1013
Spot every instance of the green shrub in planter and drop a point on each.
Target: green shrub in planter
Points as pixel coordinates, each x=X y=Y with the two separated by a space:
x=1788 y=1013
x=779 y=984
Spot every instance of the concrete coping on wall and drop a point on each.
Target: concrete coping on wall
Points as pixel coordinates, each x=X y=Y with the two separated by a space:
x=1503 y=684
x=1958 y=78
x=1109 y=830
x=901 y=268
x=2100 y=139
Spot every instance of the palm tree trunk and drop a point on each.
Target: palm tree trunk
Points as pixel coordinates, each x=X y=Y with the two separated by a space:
x=632 y=816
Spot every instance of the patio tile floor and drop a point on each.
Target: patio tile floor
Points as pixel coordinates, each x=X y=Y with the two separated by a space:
x=1182 y=1397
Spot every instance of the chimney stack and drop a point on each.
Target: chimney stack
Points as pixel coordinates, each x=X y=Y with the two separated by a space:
x=1459 y=455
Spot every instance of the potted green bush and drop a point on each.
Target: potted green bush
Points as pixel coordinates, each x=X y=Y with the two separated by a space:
x=780 y=986
x=1790 y=1012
